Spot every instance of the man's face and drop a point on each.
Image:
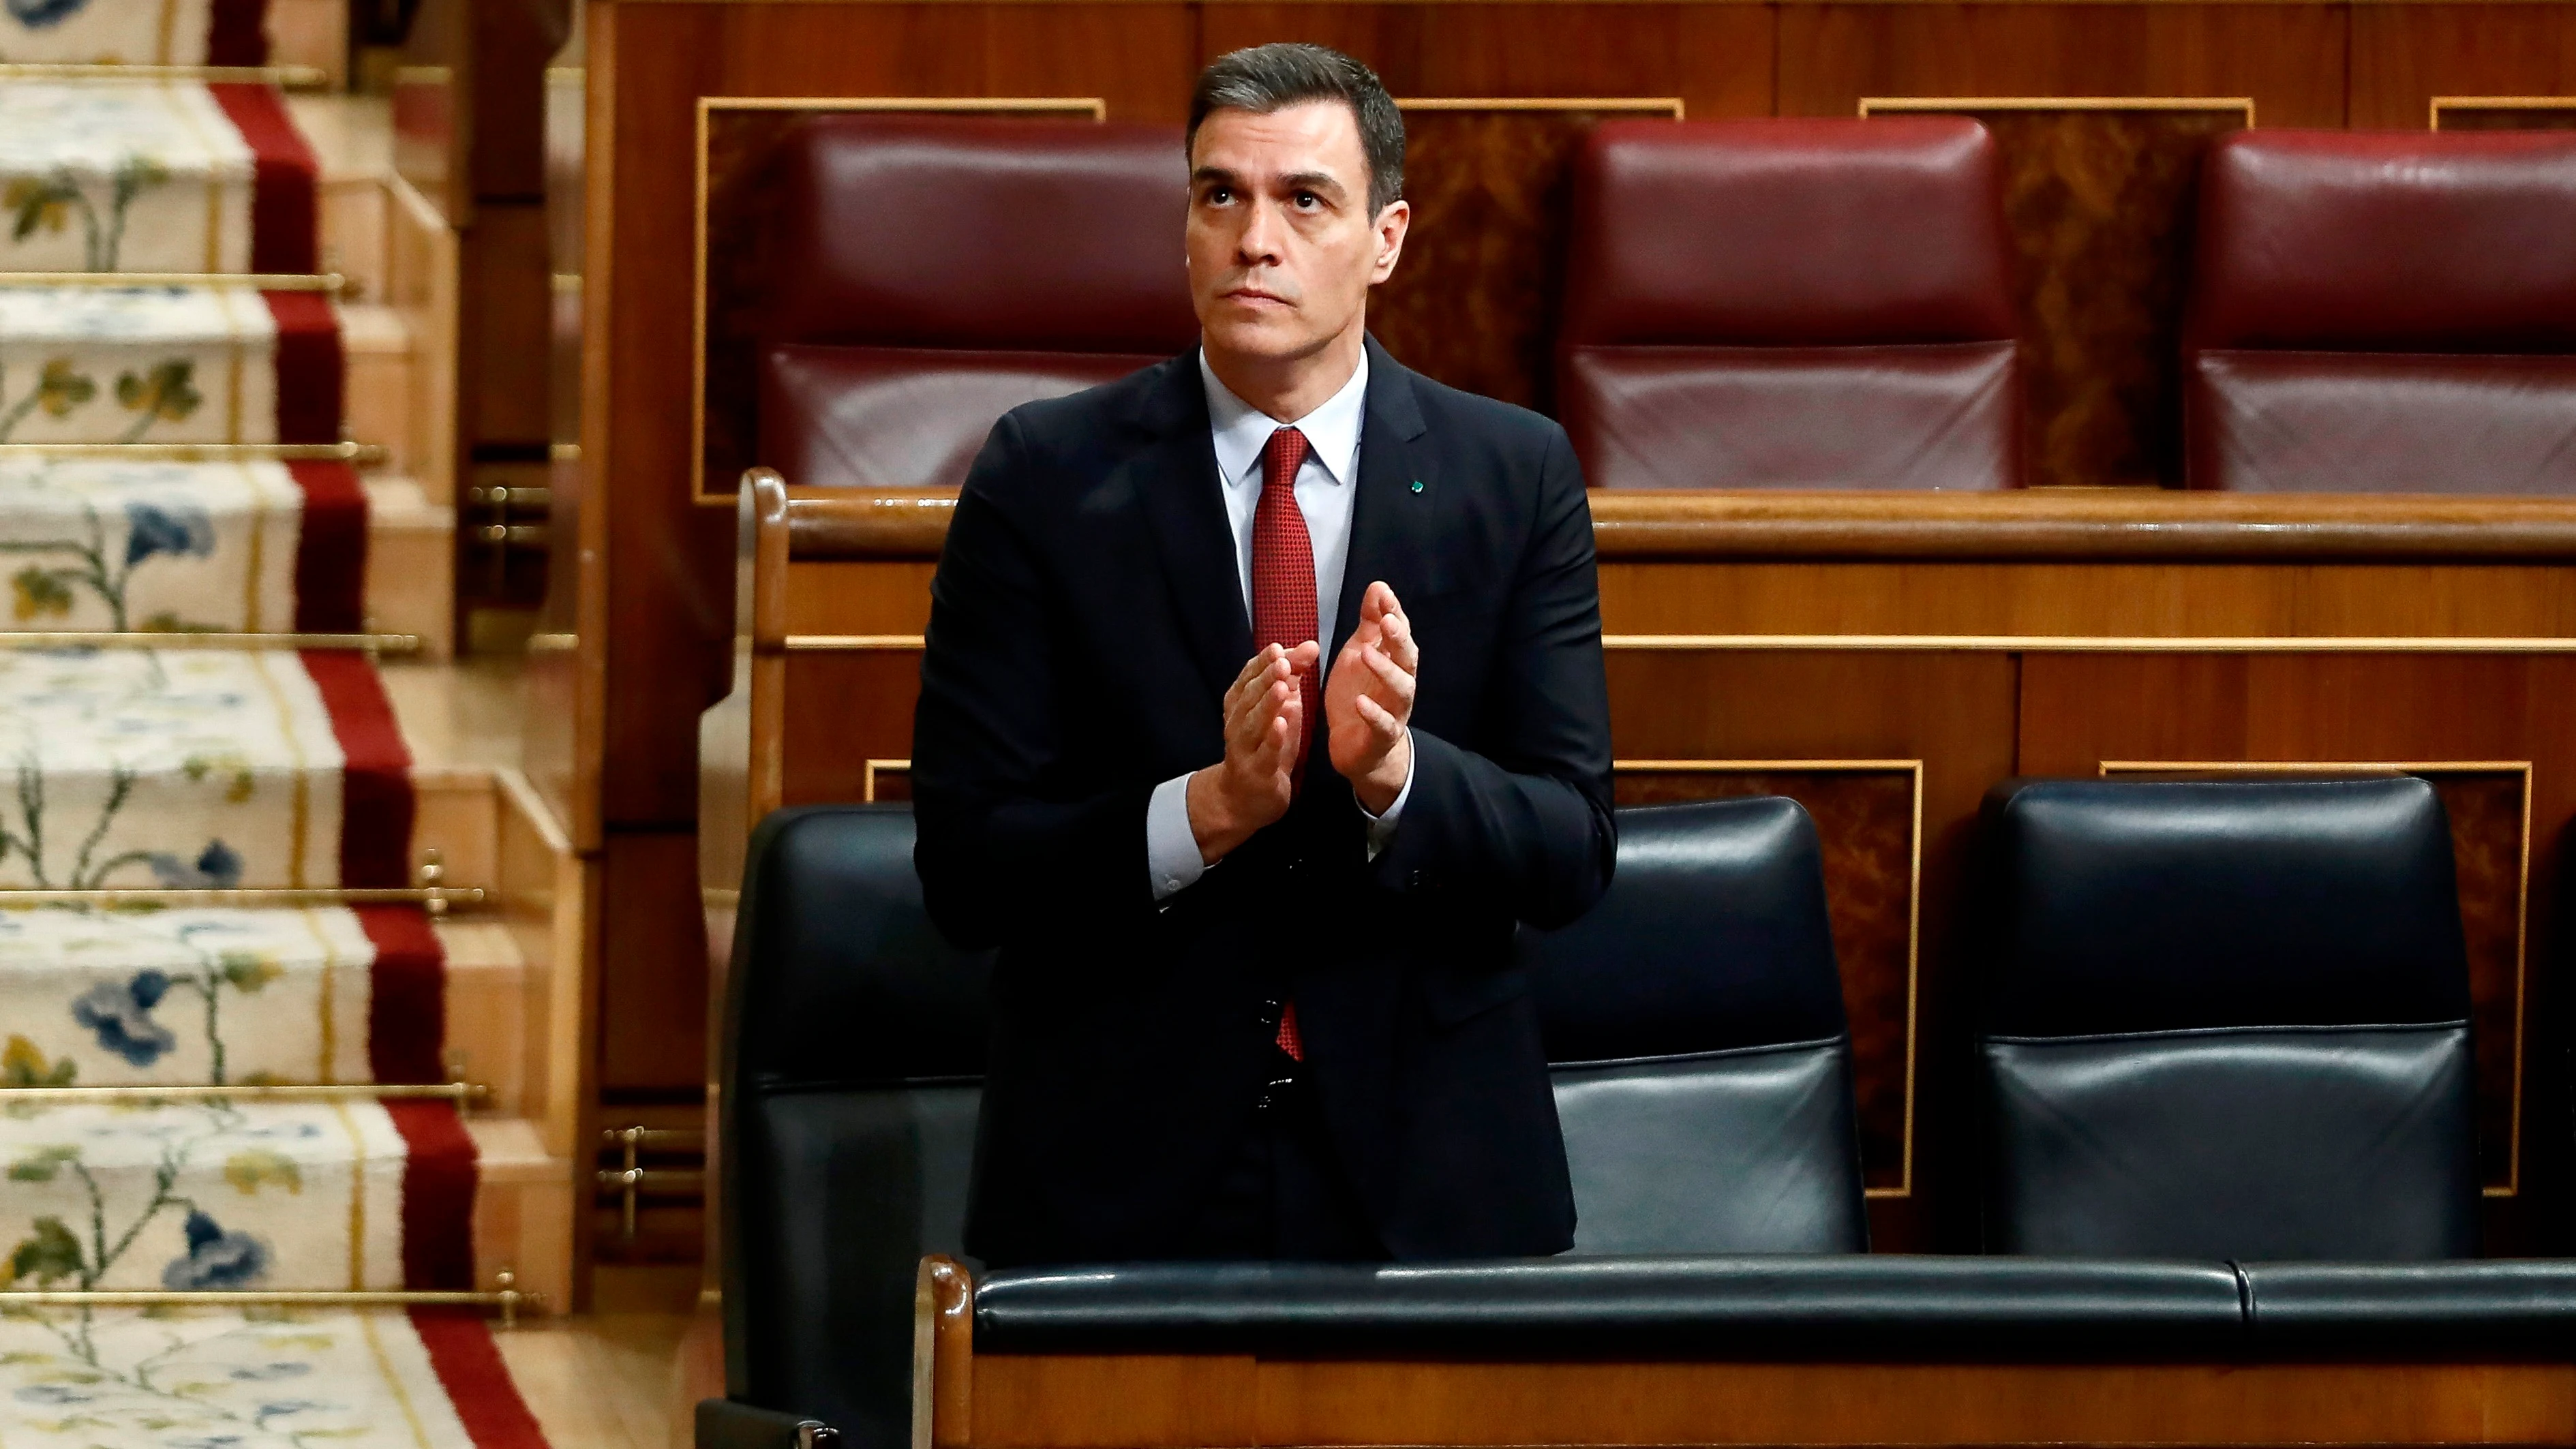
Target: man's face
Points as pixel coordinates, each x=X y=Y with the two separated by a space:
x=1282 y=246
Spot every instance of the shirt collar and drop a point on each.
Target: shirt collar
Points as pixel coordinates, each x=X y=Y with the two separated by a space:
x=1332 y=430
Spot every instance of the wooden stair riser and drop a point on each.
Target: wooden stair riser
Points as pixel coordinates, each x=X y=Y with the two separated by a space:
x=411 y=567
x=488 y=1009
x=524 y=1202
x=458 y=815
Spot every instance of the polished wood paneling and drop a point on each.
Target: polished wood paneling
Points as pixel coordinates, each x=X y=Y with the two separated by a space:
x=1474 y=302
x=652 y=1024
x=1865 y=831
x=2404 y=55
x=2288 y=58
x=2098 y=203
x=1715 y=58
x=1097 y=1402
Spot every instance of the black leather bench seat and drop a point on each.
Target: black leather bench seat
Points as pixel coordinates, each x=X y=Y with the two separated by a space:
x=2491 y=1308
x=1769 y=1307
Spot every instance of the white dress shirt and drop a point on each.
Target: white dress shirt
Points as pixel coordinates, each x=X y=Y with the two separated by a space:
x=1327 y=482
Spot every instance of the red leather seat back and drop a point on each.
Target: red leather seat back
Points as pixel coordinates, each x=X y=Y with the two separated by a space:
x=1797 y=304
x=935 y=272
x=2384 y=312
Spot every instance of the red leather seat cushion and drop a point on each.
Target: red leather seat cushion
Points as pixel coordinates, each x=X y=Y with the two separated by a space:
x=1937 y=416
x=884 y=417
x=2363 y=422
x=2384 y=312
x=1811 y=304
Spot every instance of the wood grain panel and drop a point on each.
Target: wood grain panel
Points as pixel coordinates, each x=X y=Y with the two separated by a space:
x=1070 y=1402
x=2289 y=58
x=2088 y=598
x=1716 y=58
x=844 y=710
x=2404 y=55
x=2099 y=205
x=1865 y=830
x=1473 y=303
x=652 y=975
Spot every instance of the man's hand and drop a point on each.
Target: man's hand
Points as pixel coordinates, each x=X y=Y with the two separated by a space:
x=1368 y=698
x=1265 y=728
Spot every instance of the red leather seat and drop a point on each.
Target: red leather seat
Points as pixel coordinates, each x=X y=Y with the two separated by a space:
x=2384 y=312
x=1790 y=304
x=935 y=272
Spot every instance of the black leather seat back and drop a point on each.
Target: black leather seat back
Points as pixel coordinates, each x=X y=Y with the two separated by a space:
x=2226 y=1019
x=1694 y=1024
x=855 y=1045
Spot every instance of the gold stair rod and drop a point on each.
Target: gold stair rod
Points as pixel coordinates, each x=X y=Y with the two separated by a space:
x=292 y=77
x=332 y=282
x=364 y=455
x=436 y=899
x=457 y=1092
x=194 y=639
x=506 y=1296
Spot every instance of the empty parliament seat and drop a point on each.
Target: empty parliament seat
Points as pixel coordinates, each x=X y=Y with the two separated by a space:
x=934 y=272
x=2384 y=312
x=2225 y=1019
x=1790 y=304
x=855 y=1041
x=1694 y=1026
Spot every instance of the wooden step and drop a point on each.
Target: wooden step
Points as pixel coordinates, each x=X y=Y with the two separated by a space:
x=311 y=33
x=487 y=1016
x=523 y=1209
x=411 y=565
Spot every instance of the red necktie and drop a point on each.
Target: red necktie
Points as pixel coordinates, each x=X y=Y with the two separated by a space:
x=1283 y=605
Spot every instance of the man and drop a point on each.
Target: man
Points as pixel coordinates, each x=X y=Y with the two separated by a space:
x=1262 y=695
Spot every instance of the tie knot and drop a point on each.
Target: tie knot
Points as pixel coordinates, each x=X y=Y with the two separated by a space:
x=1282 y=457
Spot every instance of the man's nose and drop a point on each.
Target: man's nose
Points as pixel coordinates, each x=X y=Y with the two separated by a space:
x=1261 y=232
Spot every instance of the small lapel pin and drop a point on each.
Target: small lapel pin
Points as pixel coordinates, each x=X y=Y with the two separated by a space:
x=1417 y=485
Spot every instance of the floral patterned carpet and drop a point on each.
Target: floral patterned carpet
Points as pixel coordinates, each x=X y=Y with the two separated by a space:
x=194 y=769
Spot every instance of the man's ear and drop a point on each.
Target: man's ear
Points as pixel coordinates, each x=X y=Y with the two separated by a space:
x=1390 y=226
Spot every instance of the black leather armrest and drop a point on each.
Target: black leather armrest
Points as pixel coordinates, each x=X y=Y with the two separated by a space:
x=724 y=1424
x=2490 y=1308
x=1750 y=1308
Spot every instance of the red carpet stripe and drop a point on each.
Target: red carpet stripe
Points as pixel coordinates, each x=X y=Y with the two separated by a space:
x=477 y=1382
x=308 y=367
x=285 y=224
x=330 y=550
x=375 y=792
x=437 y=1196
x=407 y=997
x=237 y=33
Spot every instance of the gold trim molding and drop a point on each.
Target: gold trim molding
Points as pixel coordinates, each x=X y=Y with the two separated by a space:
x=1949 y=105
x=2439 y=104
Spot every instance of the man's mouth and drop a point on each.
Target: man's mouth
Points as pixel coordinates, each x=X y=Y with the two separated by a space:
x=1255 y=294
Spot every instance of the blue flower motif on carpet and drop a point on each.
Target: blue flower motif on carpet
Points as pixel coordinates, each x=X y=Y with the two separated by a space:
x=44 y=14
x=268 y=1371
x=218 y=867
x=175 y=529
x=53 y=1394
x=121 y=1017
x=216 y=1259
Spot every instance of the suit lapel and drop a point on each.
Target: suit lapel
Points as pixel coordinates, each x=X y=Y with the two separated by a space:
x=1393 y=527
x=1176 y=477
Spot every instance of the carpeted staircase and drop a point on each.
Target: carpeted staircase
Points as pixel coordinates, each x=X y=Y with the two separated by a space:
x=195 y=776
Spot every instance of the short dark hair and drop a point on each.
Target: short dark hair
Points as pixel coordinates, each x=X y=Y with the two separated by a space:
x=1266 y=78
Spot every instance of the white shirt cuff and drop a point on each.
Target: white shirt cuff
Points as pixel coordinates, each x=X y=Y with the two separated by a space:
x=1171 y=847
x=1381 y=828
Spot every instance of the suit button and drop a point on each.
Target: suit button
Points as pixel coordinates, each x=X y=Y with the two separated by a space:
x=1415 y=880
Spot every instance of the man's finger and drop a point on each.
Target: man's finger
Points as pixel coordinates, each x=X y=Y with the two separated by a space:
x=1380 y=722
x=1391 y=674
x=1397 y=632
